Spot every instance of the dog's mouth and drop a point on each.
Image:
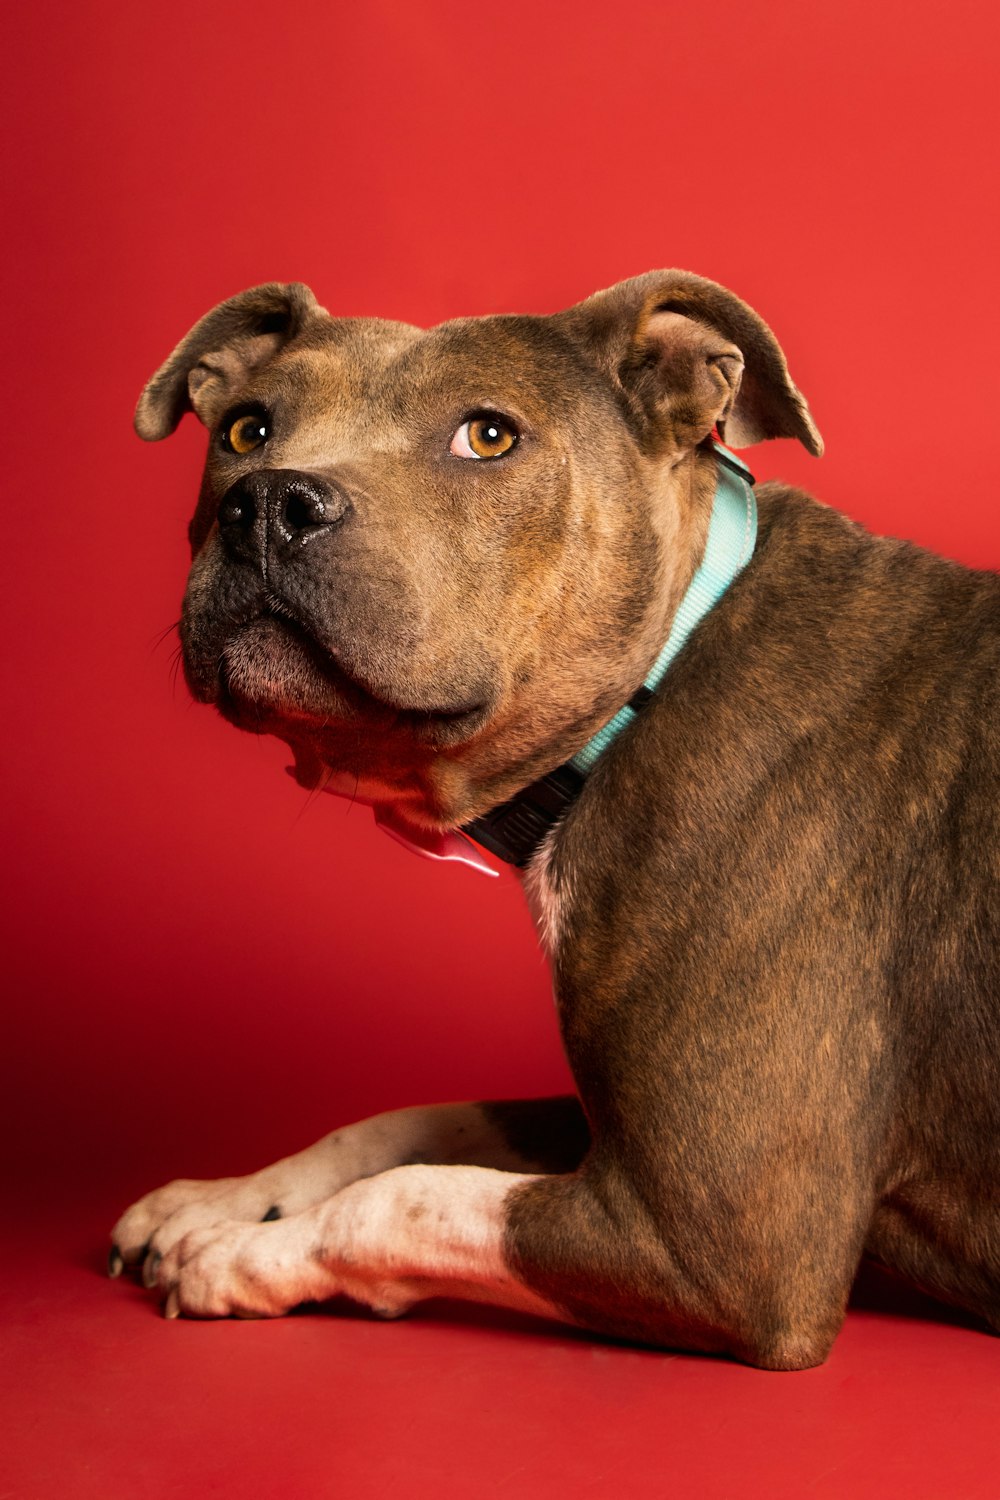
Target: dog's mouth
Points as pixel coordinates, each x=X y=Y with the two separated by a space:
x=273 y=673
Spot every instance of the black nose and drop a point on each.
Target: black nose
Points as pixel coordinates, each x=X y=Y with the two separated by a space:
x=277 y=508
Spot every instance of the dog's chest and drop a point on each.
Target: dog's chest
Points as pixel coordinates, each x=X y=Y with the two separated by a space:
x=548 y=896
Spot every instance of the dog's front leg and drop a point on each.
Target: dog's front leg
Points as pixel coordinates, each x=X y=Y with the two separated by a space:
x=387 y=1242
x=514 y=1136
x=579 y=1247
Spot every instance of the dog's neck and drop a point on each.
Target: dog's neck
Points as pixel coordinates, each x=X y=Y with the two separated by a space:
x=514 y=830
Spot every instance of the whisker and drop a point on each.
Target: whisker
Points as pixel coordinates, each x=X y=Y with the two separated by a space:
x=175 y=668
x=157 y=640
x=313 y=796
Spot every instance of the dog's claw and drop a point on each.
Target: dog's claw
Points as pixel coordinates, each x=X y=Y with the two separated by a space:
x=172 y=1306
x=115 y=1261
x=150 y=1266
x=274 y=1212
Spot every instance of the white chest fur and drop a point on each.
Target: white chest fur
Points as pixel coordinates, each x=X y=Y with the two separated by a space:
x=548 y=896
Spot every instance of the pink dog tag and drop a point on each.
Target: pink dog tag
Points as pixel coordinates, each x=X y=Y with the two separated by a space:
x=449 y=845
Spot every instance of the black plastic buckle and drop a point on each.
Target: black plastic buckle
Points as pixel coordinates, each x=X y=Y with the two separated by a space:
x=514 y=830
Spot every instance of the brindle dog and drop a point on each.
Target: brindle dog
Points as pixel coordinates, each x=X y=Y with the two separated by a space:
x=435 y=563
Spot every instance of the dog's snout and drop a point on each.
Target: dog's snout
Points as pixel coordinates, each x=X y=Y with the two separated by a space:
x=277 y=508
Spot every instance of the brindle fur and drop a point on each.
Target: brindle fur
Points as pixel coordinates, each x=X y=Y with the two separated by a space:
x=778 y=978
x=776 y=959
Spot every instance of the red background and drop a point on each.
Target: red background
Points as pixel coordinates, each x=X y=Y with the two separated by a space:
x=203 y=972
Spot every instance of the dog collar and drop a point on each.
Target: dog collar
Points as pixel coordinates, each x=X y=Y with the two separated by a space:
x=513 y=830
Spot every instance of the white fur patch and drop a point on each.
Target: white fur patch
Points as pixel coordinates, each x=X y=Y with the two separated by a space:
x=547 y=900
x=418 y=1232
x=388 y=1242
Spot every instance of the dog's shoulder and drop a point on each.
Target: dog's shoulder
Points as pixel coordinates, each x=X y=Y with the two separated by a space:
x=829 y=602
x=846 y=688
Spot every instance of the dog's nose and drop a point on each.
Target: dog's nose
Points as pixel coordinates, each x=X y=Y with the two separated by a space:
x=277 y=508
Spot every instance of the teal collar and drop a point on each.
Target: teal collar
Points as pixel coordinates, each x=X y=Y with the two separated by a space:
x=732 y=535
x=514 y=830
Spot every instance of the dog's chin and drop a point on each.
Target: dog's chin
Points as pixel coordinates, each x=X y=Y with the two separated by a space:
x=273 y=678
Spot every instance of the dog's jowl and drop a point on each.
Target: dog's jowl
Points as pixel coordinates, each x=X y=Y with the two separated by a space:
x=502 y=580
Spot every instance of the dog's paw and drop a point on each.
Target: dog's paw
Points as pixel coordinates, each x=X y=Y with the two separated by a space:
x=240 y=1270
x=154 y=1225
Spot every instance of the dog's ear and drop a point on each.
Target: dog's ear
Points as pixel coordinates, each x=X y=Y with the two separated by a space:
x=688 y=356
x=220 y=352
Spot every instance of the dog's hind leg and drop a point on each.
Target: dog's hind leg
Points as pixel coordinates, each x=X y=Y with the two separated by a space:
x=943 y=1237
x=546 y=1135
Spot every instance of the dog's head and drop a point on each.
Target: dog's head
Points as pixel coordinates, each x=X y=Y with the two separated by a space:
x=434 y=562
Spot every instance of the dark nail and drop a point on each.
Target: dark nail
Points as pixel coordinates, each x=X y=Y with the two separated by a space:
x=115 y=1262
x=150 y=1266
x=274 y=1212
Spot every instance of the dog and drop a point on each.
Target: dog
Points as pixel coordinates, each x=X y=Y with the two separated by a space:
x=505 y=581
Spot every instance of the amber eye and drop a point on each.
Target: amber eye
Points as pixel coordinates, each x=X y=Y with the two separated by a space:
x=247 y=432
x=487 y=435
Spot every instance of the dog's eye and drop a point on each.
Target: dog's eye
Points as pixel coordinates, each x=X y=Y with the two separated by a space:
x=246 y=433
x=486 y=435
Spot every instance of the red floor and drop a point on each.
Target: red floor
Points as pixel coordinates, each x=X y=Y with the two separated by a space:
x=102 y=1398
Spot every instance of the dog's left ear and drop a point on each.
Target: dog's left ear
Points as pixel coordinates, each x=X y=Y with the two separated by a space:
x=220 y=353
x=687 y=355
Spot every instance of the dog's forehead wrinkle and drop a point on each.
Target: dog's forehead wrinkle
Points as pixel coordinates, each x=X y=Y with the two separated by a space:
x=367 y=386
x=330 y=406
x=352 y=358
x=359 y=335
x=526 y=356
